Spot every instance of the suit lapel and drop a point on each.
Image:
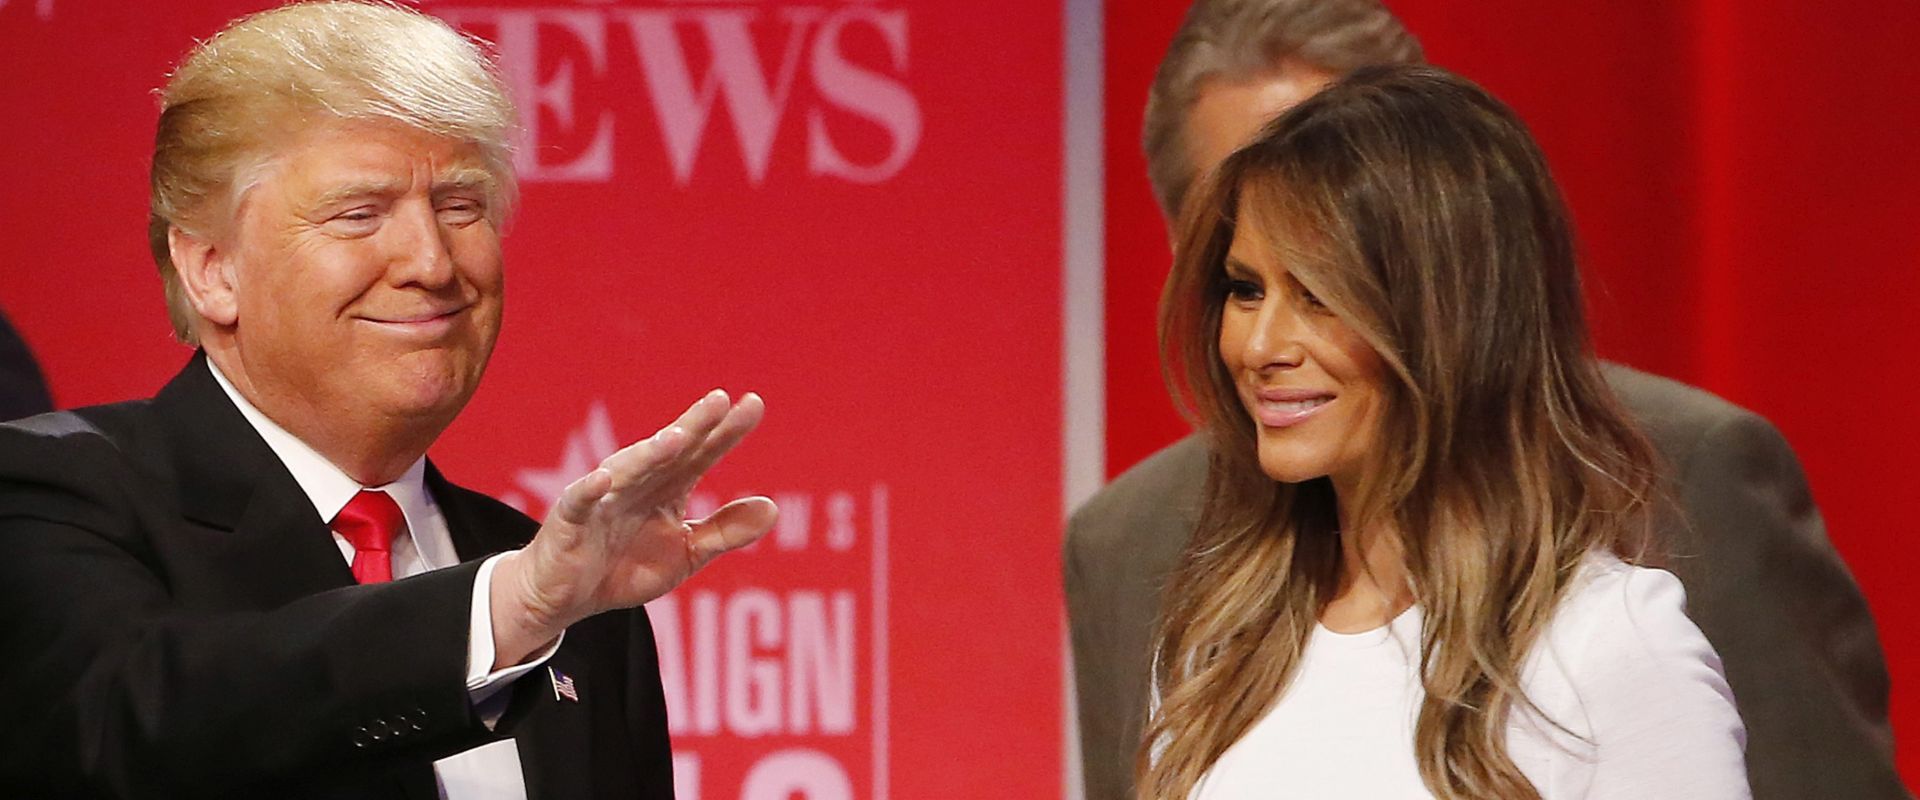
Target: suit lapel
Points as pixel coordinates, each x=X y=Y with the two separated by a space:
x=480 y=525
x=553 y=733
x=261 y=540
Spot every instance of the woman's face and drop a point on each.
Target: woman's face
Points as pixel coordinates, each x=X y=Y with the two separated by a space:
x=1313 y=387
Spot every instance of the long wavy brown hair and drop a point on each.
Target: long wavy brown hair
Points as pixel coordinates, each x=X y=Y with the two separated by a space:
x=1419 y=210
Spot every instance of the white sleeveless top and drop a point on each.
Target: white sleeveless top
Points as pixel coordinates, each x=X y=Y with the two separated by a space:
x=1620 y=666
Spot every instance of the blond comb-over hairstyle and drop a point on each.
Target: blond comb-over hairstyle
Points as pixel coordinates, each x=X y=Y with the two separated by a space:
x=242 y=94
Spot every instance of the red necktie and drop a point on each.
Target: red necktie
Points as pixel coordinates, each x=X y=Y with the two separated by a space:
x=369 y=523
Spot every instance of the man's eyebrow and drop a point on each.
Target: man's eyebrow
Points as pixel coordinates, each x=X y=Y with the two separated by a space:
x=465 y=177
x=358 y=189
x=451 y=180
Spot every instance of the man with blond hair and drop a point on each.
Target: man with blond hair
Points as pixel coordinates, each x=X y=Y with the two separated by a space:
x=1764 y=584
x=255 y=584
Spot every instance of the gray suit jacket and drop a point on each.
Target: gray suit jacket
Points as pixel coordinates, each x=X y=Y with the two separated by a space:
x=1763 y=583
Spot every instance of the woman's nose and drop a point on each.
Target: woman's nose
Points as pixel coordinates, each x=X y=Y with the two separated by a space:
x=1275 y=339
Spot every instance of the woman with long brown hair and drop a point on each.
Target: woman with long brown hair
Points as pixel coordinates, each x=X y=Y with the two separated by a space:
x=1411 y=576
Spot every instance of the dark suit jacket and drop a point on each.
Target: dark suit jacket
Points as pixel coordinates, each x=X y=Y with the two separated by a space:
x=22 y=391
x=1763 y=583
x=175 y=621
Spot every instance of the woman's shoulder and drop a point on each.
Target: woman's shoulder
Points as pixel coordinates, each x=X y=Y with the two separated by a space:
x=1611 y=602
x=1620 y=624
x=1621 y=653
x=1625 y=680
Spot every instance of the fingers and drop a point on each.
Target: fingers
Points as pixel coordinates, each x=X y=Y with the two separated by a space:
x=648 y=458
x=735 y=525
x=576 y=501
x=710 y=427
x=740 y=420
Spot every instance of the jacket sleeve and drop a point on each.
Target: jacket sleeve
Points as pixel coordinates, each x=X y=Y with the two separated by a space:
x=1120 y=548
x=1774 y=598
x=1103 y=741
x=112 y=687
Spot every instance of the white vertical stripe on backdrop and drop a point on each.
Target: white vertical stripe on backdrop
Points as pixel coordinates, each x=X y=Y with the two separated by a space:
x=881 y=686
x=1083 y=298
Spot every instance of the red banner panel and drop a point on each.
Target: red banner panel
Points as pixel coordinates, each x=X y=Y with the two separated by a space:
x=852 y=208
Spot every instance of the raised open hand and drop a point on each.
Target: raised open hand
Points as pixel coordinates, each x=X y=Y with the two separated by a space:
x=618 y=536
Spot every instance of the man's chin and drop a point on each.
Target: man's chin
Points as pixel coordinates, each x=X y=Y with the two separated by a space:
x=429 y=395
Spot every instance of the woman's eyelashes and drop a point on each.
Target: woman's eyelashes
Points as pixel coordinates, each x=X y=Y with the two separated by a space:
x=1246 y=291
x=1241 y=290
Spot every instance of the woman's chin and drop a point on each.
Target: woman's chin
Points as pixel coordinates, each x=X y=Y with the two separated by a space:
x=1290 y=471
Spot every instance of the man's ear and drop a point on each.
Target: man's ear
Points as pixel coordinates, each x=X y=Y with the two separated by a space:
x=206 y=274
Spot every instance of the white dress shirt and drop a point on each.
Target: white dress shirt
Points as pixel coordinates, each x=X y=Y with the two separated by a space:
x=491 y=771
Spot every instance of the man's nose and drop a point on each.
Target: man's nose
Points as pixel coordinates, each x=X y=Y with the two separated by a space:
x=421 y=249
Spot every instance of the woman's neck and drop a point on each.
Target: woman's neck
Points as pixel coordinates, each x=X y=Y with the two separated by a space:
x=1373 y=586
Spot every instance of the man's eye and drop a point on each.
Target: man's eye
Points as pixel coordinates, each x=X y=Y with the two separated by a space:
x=1243 y=291
x=461 y=212
x=354 y=222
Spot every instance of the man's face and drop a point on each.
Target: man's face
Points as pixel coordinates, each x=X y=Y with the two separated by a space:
x=367 y=278
x=1226 y=114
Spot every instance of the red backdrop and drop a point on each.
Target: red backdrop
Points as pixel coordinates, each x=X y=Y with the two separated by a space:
x=837 y=203
x=1742 y=176
x=1738 y=172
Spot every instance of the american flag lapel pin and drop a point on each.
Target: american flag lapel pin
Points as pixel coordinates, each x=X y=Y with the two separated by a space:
x=563 y=685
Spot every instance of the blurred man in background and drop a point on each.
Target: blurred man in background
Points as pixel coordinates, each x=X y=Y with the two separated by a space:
x=1764 y=583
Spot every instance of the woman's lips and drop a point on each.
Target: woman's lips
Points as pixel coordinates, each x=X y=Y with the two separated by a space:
x=1284 y=408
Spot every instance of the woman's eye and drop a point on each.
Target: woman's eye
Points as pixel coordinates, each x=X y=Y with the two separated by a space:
x=1312 y=300
x=1243 y=291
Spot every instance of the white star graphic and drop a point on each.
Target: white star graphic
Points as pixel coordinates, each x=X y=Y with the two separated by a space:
x=41 y=8
x=586 y=447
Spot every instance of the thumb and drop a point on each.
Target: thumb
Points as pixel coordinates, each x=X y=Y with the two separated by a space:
x=736 y=525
